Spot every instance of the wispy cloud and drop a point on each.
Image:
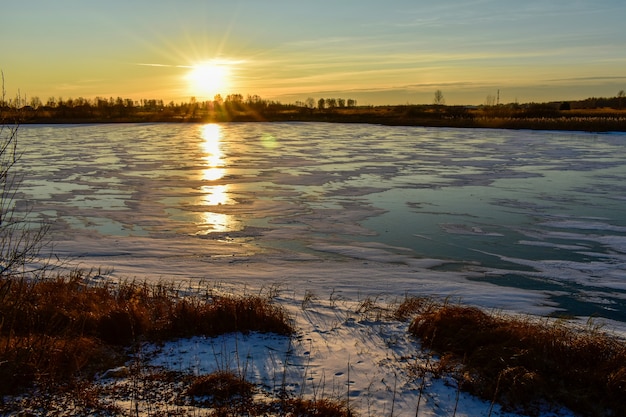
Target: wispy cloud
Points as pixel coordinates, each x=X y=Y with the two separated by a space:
x=143 y=64
x=79 y=84
x=597 y=78
x=216 y=61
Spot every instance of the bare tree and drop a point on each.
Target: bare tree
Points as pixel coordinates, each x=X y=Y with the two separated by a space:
x=439 y=100
x=21 y=239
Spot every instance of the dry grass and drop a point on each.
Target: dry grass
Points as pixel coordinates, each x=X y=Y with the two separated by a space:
x=315 y=408
x=228 y=394
x=222 y=390
x=56 y=329
x=411 y=306
x=59 y=332
x=522 y=362
x=155 y=392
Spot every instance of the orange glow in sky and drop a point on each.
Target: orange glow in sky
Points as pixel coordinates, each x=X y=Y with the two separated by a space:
x=394 y=52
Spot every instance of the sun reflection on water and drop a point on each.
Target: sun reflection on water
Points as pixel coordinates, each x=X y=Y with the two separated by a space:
x=212 y=147
x=214 y=195
x=215 y=222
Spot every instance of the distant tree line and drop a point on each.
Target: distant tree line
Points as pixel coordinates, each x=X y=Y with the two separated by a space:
x=617 y=102
x=230 y=107
x=124 y=106
x=597 y=114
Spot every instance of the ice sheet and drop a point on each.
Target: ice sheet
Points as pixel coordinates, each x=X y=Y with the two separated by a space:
x=362 y=208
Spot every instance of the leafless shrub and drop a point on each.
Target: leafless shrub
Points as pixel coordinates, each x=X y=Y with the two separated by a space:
x=21 y=239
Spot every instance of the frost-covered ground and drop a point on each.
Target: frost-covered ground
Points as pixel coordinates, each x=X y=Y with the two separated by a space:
x=524 y=222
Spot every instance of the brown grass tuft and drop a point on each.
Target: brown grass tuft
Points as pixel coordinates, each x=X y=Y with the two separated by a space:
x=227 y=314
x=520 y=361
x=315 y=408
x=221 y=389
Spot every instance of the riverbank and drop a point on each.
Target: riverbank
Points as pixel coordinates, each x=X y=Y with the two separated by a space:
x=201 y=350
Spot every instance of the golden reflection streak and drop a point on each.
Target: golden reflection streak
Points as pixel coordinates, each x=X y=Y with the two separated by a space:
x=211 y=145
x=214 y=195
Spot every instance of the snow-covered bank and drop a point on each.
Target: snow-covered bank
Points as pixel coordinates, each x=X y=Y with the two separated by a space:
x=344 y=350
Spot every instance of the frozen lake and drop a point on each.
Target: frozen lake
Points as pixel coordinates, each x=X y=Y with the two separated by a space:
x=518 y=220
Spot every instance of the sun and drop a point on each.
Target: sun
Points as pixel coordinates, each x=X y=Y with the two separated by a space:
x=208 y=79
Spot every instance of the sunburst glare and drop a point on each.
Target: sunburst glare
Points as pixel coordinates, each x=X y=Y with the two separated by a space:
x=209 y=78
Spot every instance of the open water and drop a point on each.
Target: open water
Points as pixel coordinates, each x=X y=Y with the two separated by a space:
x=536 y=210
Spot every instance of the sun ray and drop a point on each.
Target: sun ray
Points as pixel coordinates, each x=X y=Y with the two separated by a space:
x=209 y=78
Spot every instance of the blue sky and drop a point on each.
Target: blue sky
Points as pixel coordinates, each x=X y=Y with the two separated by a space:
x=392 y=52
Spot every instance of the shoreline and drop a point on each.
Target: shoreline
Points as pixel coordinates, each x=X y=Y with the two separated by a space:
x=596 y=122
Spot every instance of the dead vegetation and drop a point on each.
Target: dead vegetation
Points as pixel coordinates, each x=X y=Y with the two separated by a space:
x=56 y=334
x=65 y=327
x=523 y=362
x=156 y=392
x=222 y=390
x=227 y=394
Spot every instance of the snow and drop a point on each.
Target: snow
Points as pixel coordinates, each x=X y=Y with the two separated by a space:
x=341 y=351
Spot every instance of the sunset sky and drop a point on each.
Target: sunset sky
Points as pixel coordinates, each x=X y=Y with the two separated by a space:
x=377 y=52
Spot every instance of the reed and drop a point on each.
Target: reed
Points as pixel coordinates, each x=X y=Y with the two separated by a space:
x=525 y=362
